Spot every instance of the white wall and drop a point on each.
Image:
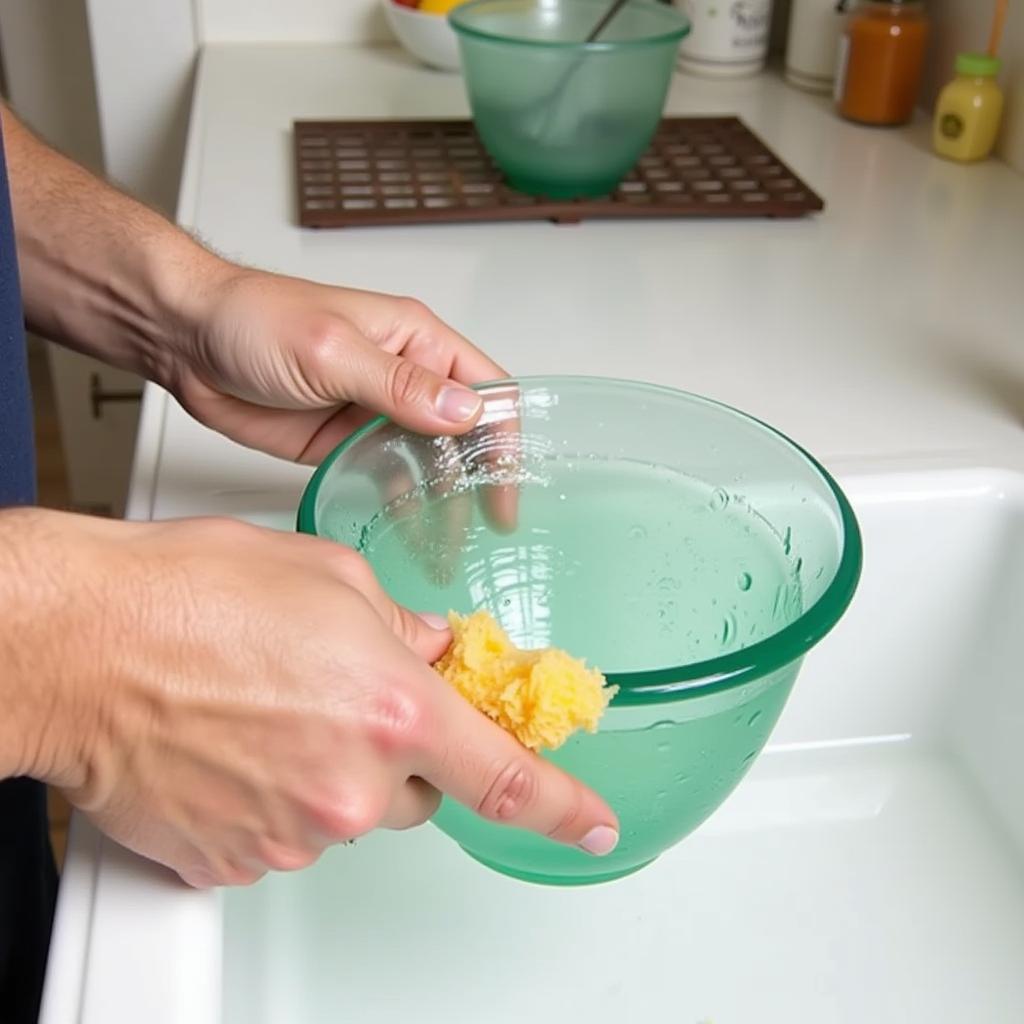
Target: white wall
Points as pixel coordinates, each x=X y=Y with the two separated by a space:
x=347 y=21
x=144 y=54
x=49 y=73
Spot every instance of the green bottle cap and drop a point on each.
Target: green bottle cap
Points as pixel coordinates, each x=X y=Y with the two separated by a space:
x=978 y=65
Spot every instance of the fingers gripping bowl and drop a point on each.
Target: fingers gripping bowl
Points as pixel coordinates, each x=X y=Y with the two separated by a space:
x=690 y=552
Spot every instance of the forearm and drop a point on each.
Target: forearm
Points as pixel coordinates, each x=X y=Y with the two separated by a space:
x=23 y=704
x=44 y=646
x=101 y=272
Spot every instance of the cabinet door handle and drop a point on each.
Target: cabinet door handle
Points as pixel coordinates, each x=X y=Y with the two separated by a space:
x=98 y=397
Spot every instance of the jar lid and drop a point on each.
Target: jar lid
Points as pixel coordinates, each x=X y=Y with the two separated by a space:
x=978 y=65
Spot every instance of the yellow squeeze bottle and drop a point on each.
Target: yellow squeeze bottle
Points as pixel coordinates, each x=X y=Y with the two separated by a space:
x=969 y=109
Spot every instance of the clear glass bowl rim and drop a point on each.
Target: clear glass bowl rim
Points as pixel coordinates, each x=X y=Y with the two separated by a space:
x=698 y=678
x=459 y=19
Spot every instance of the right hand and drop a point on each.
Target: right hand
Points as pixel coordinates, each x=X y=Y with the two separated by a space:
x=226 y=699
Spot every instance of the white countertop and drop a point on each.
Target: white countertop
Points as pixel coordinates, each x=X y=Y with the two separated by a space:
x=888 y=327
x=886 y=332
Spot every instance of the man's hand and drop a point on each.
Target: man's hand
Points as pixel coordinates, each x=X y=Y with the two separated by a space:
x=226 y=699
x=274 y=362
x=292 y=367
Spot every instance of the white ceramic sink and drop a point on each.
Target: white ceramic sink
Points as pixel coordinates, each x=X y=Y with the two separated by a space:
x=871 y=867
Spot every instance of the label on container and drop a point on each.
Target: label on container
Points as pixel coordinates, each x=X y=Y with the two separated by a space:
x=951 y=125
x=724 y=31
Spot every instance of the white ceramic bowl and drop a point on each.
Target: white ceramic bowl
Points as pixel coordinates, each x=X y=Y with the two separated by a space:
x=426 y=36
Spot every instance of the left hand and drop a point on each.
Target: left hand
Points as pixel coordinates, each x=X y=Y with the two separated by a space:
x=293 y=367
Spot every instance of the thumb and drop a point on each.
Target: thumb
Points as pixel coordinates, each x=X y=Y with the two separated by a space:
x=410 y=394
x=427 y=634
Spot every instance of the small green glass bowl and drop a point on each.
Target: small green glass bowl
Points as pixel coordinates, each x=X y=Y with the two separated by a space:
x=564 y=118
x=689 y=551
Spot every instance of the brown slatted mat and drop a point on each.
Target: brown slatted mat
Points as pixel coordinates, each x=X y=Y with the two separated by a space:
x=359 y=173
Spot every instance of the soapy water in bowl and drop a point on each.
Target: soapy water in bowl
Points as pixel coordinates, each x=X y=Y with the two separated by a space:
x=630 y=565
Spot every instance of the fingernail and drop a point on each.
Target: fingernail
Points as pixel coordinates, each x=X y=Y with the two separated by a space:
x=433 y=621
x=600 y=840
x=457 y=404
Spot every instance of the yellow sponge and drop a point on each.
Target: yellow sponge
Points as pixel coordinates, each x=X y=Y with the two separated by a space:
x=541 y=697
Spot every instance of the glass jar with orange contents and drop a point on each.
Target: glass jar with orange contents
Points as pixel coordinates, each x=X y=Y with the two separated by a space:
x=881 y=59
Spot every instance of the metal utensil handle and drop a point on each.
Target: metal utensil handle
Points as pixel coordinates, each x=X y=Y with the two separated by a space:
x=603 y=23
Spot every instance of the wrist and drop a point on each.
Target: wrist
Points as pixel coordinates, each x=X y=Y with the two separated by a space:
x=185 y=282
x=46 y=725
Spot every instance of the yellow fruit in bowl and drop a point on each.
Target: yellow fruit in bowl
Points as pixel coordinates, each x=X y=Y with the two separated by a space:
x=438 y=6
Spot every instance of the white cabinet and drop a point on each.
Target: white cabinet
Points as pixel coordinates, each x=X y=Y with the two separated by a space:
x=99 y=416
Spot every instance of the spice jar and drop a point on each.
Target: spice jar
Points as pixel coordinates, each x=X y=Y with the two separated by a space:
x=969 y=109
x=881 y=59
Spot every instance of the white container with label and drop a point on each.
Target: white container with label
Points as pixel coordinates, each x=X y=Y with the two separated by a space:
x=812 y=47
x=727 y=38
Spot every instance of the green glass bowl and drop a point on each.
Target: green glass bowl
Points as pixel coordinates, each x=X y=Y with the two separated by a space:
x=560 y=117
x=690 y=552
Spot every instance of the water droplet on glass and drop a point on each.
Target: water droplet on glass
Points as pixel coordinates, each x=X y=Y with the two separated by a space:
x=682 y=777
x=719 y=500
x=561 y=497
x=728 y=628
x=663 y=748
x=753 y=718
x=637 y=532
x=668 y=583
x=745 y=581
